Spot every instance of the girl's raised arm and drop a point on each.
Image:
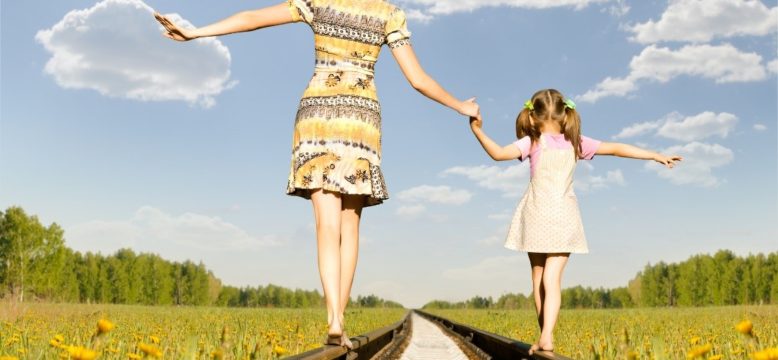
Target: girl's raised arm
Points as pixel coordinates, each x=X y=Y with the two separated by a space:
x=239 y=22
x=634 y=152
x=495 y=151
x=423 y=83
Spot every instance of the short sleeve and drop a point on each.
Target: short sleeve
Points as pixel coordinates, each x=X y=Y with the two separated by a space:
x=525 y=145
x=589 y=147
x=397 y=33
x=301 y=10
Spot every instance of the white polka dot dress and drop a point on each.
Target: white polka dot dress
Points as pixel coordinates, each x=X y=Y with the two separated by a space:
x=547 y=219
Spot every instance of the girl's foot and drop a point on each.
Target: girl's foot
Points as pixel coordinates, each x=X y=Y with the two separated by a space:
x=345 y=341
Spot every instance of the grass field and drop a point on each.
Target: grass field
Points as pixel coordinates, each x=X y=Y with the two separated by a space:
x=664 y=333
x=53 y=331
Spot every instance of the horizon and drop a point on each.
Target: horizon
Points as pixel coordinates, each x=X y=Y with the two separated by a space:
x=191 y=163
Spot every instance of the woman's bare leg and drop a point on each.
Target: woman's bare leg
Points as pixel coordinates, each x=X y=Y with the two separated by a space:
x=349 y=245
x=552 y=283
x=327 y=211
x=538 y=262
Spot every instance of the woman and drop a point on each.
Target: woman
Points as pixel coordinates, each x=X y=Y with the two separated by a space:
x=336 y=153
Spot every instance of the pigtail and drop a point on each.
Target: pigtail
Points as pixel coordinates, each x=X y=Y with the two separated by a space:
x=571 y=127
x=525 y=126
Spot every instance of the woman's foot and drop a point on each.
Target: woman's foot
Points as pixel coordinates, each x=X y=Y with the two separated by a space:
x=541 y=346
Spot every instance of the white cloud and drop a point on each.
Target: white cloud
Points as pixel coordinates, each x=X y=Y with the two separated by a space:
x=772 y=66
x=760 y=127
x=454 y=6
x=638 y=129
x=498 y=236
x=510 y=180
x=677 y=127
x=505 y=215
x=411 y=211
x=493 y=268
x=619 y=9
x=435 y=194
x=151 y=229
x=116 y=48
x=418 y=15
x=722 y=63
x=704 y=20
x=586 y=180
x=699 y=126
x=697 y=167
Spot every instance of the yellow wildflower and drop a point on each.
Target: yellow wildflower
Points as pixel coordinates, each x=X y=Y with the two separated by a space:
x=9 y=358
x=714 y=357
x=81 y=353
x=766 y=354
x=695 y=340
x=59 y=338
x=745 y=327
x=134 y=356
x=699 y=351
x=104 y=326
x=154 y=339
x=217 y=354
x=150 y=350
x=279 y=350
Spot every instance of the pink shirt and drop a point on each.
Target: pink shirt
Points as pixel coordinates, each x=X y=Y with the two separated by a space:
x=589 y=147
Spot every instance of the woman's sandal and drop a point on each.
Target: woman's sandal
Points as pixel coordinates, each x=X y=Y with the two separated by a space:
x=536 y=347
x=336 y=340
x=339 y=340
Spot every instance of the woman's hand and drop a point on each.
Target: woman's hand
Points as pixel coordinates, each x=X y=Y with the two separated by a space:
x=172 y=30
x=668 y=161
x=469 y=108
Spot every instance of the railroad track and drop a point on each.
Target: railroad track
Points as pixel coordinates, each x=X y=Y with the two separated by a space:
x=421 y=336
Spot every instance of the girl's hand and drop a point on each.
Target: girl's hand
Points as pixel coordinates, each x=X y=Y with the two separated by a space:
x=476 y=122
x=668 y=161
x=172 y=30
x=470 y=108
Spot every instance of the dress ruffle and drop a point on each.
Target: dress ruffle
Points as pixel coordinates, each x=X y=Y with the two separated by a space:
x=331 y=172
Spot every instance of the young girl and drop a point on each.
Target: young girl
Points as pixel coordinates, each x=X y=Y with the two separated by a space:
x=547 y=223
x=336 y=156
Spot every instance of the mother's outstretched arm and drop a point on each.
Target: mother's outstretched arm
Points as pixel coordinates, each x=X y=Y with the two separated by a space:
x=240 y=22
x=426 y=85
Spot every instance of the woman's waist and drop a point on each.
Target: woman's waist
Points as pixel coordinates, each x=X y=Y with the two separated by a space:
x=340 y=82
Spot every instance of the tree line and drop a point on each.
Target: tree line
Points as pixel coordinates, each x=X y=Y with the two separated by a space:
x=35 y=264
x=701 y=280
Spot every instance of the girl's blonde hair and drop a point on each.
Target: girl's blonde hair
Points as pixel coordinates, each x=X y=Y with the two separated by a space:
x=549 y=105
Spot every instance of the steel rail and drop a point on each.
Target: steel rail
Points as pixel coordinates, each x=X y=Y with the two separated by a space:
x=484 y=344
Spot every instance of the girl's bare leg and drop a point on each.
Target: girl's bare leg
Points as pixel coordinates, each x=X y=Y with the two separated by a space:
x=552 y=283
x=327 y=211
x=538 y=262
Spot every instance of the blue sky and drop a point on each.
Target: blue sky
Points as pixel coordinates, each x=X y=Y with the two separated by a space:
x=128 y=139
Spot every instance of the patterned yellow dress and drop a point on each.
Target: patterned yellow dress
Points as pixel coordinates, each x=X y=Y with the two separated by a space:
x=337 y=133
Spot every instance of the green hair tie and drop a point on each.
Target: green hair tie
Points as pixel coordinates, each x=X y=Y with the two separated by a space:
x=569 y=104
x=529 y=105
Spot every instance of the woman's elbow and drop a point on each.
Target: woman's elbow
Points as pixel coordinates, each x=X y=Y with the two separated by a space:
x=418 y=82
